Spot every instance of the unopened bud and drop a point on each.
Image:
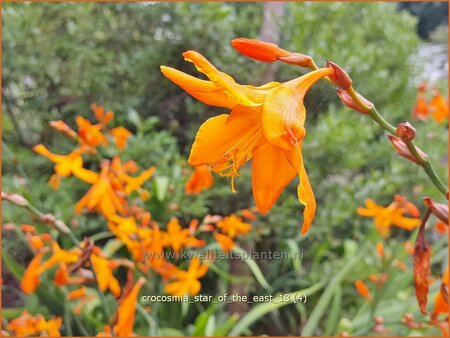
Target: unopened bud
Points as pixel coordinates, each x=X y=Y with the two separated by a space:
x=258 y=50
x=14 y=199
x=297 y=59
x=402 y=150
x=348 y=101
x=438 y=209
x=340 y=76
x=405 y=131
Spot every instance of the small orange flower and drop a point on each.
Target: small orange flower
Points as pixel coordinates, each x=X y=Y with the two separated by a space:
x=386 y=217
x=438 y=107
x=121 y=135
x=441 y=300
x=420 y=110
x=177 y=237
x=225 y=242
x=362 y=289
x=100 y=196
x=441 y=227
x=246 y=213
x=28 y=325
x=65 y=165
x=30 y=279
x=90 y=134
x=380 y=249
x=201 y=179
x=127 y=310
x=233 y=226
x=60 y=256
x=105 y=277
x=101 y=114
x=187 y=281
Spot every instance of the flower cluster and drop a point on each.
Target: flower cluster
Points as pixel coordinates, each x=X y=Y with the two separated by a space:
x=116 y=194
x=436 y=106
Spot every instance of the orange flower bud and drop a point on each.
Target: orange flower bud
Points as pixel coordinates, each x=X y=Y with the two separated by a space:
x=401 y=149
x=297 y=59
x=340 y=76
x=405 y=131
x=14 y=199
x=438 y=209
x=380 y=249
x=362 y=289
x=258 y=50
x=347 y=100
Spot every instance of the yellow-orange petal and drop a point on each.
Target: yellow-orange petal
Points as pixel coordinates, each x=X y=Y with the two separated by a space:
x=204 y=91
x=227 y=139
x=225 y=242
x=304 y=189
x=284 y=114
x=271 y=173
x=258 y=50
x=233 y=90
x=30 y=279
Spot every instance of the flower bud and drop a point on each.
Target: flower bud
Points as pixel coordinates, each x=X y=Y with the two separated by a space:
x=340 y=76
x=438 y=209
x=348 y=101
x=406 y=131
x=401 y=149
x=297 y=59
x=258 y=50
x=14 y=199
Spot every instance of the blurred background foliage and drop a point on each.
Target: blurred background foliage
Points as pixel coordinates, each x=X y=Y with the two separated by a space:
x=58 y=58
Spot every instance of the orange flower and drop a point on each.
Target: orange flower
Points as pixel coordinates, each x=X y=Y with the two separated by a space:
x=408 y=207
x=121 y=135
x=233 y=226
x=89 y=133
x=266 y=123
x=65 y=165
x=441 y=299
x=127 y=310
x=362 y=289
x=177 y=237
x=101 y=196
x=101 y=114
x=225 y=242
x=28 y=325
x=200 y=179
x=380 y=249
x=60 y=256
x=30 y=279
x=128 y=183
x=420 y=110
x=438 y=107
x=441 y=227
x=105 y=278
x=187 y=281
x=246 y=213
x=386 y=217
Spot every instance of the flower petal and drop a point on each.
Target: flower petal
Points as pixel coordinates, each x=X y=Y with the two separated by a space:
x=204 y=91
x=271 y=173
x=304 y=190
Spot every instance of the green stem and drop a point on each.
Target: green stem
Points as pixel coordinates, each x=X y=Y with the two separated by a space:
x=423 y=162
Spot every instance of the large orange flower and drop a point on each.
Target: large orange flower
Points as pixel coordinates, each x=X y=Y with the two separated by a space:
x=266 y=124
